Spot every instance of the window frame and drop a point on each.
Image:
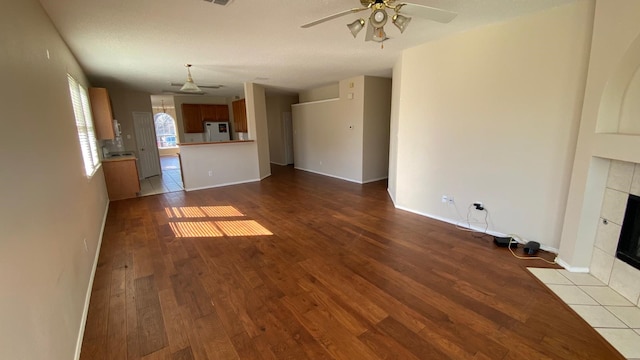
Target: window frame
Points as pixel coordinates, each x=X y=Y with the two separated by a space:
x=84 y=126
x=163 y=115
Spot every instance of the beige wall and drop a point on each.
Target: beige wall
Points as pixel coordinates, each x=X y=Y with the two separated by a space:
x=492 y=115
x=277 y=106
x=377 y=110
x=49 y=208
x=327 y=135
x=347 y=137
x=257 y=124
x=228 y=164
x=614 y=59
x=331 y=91
x=124 y=102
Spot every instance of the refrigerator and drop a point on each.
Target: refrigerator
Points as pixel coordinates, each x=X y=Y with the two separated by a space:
x=216 y=131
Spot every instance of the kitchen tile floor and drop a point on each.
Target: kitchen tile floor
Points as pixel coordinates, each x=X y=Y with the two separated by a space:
x=613 y=316
x=169 y=181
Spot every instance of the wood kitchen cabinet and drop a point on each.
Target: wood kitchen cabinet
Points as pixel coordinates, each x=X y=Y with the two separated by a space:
x=121 y=177
x=194 y=115
x=192 y=118
x=240 y=116
x=102 y=113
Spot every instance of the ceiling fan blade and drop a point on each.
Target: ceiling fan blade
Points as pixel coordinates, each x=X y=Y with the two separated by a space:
x=370 y=30
x=201 y=86
x=427 y=12
x=334 y=16
x=178 y=92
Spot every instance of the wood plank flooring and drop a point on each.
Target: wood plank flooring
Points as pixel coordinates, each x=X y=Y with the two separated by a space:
x=344 y=275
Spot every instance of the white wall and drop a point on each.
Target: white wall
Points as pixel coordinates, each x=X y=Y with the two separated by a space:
x=630 y=113
x=331 y=91
x=491 y=115
x=277 y=106
x=614 y=59
x=48 y=205
x=377 y=111
x=229 y=163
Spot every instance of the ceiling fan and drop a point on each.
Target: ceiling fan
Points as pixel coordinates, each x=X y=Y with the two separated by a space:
x=379 y=17
x=190 y=87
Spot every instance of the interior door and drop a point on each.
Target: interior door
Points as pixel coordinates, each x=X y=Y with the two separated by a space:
x=148 y=156
x=287 y=127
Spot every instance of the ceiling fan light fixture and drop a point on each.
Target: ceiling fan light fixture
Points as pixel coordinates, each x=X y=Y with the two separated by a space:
x=401 y=22
x=189 y=85
x=379 y=35
x=356 y=26
x=378 y=18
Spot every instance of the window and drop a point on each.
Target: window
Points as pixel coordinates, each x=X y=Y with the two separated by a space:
x=165 y=130
x=84 y=125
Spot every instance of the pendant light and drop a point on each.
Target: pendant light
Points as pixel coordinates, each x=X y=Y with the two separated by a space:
x=189 y=85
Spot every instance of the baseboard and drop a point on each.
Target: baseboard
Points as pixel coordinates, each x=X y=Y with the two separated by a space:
x=277 y=163
x=266 y=176
x=570 y=268
x=374 y=180
x=329 y=175
x=462 y=224
x=221 y=185
x=87 y=298
x=393 y=199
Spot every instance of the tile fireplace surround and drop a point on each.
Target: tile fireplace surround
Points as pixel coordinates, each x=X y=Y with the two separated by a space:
x=624 y=179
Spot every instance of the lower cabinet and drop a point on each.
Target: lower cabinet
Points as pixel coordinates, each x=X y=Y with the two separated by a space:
x=121 y=177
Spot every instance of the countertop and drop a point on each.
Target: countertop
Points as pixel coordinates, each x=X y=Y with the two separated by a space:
x=119 y=157
x=216 y=142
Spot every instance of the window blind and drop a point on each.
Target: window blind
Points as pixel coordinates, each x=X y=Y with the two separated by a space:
x=84 y=125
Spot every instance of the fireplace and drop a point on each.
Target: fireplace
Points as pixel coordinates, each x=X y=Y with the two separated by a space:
x=629 y=242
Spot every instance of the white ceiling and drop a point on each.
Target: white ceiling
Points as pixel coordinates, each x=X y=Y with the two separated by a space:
x=144 y=44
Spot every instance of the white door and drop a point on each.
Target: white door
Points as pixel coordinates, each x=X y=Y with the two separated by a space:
x=287 y=129
x=148 y=157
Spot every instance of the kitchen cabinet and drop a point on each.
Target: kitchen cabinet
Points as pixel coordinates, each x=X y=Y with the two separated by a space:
x=193 y=116
x=121 y=177
x=192 y=119
x=240 y=116
x=102 y=113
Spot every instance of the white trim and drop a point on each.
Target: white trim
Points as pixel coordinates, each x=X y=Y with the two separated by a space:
x=329 y=175
x=277 y=163
x=87 y=298
x=316 y=102
x=569 y=268
x=476 y=228
x=266 y=176
x=221 y=185
x=374 y=180
x=393 y=200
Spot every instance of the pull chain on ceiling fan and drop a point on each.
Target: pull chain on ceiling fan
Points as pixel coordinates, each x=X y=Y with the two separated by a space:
x=379 y=17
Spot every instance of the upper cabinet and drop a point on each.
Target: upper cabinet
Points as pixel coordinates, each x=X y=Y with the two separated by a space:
x=102 y=113
x=240 y=116
x=194 y=115
x=192 y=119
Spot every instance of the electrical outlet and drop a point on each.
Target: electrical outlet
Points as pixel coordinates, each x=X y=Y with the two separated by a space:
x=210 y=172
x=445 y=199
x=86 y=248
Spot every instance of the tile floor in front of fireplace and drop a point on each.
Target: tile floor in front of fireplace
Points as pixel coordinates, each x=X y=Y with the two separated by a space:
x=612 y=315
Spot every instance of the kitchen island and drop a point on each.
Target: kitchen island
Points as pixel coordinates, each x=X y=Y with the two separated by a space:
x=214 y=164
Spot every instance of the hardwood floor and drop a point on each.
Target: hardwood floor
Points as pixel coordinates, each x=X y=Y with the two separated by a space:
x=345 y=275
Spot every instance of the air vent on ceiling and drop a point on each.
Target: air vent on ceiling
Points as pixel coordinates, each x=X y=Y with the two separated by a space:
x=220 y=2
